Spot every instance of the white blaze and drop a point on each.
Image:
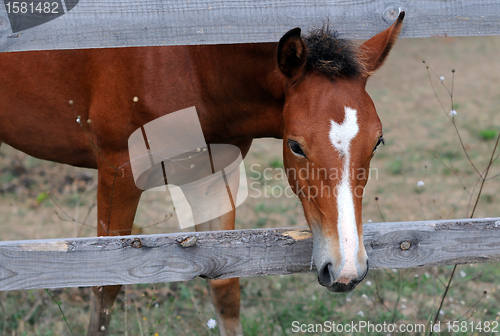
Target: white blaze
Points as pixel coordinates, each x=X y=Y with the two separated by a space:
x=341 y=136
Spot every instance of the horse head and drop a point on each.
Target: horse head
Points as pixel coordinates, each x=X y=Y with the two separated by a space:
x=330 y=134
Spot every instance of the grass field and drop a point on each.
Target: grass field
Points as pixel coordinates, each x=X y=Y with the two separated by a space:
x=416 y=130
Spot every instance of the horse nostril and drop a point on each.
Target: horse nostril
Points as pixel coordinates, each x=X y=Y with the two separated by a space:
x=325 y=276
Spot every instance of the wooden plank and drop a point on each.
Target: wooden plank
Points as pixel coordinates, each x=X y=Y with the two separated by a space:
x=125 y=23
x=225 y=254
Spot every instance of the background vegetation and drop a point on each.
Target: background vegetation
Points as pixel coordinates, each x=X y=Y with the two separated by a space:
x=416 y=131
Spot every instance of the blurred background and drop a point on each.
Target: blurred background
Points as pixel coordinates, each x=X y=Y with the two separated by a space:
x=421 y=173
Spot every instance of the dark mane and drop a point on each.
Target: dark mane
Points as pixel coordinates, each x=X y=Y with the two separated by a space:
x=332 y=55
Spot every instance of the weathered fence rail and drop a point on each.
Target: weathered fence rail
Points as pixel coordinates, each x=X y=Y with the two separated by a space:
x=224 y=254
x=126 y=23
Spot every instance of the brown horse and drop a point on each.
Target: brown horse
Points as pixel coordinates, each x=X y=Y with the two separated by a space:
x=308 y=91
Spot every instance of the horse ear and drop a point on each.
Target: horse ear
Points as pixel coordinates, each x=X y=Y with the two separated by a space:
x=292 y=53
x=375 y=50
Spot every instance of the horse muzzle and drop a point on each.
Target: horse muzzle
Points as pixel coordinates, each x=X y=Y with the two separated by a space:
x=334 y=281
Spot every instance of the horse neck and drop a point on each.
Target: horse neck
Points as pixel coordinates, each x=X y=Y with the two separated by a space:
x=243 y=90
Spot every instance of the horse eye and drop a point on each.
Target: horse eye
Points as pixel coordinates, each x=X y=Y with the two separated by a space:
x=380 y=141
x=295 y=147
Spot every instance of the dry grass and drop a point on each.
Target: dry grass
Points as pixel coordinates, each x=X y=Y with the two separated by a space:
x=415 y=129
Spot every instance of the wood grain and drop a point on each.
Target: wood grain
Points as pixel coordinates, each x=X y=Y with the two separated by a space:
x=126 y=23
x=225 y=254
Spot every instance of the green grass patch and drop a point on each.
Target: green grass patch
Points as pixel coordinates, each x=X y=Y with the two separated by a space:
x=488 y=134
x=396 y=166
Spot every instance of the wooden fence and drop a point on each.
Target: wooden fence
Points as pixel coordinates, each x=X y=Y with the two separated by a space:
x=182 y=256
x=112 y=23
x=78 y=262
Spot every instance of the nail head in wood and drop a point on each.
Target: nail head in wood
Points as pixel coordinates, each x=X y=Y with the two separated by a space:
x=137 y=243
x=390 y=14
x=405 y=245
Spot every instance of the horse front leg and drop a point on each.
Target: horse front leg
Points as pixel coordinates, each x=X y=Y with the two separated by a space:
x=117 y=200
x=225 y=293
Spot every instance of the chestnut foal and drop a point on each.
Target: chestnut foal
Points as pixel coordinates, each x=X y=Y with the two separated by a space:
x=308 y=91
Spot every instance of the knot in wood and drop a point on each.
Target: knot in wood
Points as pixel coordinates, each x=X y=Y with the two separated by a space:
x=188 y=242
x=3 y=23
x=137 y=243
x=405 y=245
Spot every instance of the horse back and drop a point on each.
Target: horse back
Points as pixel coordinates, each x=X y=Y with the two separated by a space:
x=37 y=86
